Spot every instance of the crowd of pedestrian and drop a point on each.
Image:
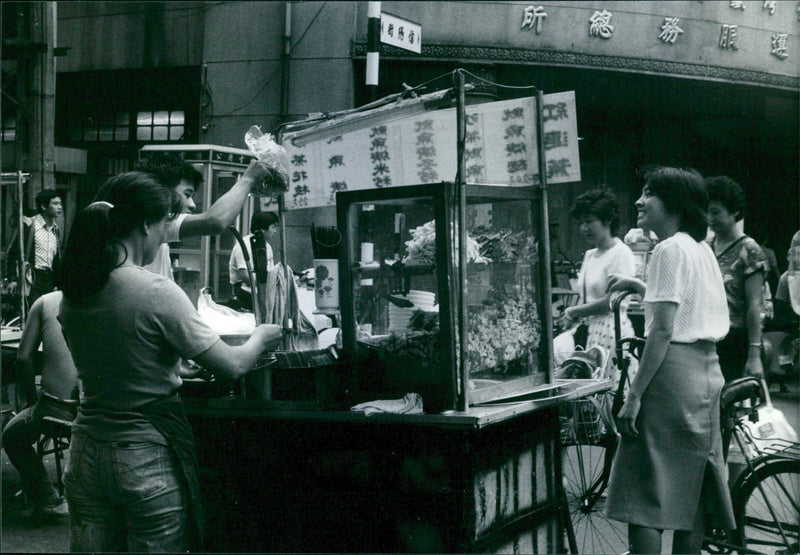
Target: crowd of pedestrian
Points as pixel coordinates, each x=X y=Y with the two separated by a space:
x=119 y=326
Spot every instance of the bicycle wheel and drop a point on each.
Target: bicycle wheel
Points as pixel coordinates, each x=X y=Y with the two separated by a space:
x=776 y=482
x=585 y=483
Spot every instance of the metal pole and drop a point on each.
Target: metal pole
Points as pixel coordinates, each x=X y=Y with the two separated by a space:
x=23 y=312
x=461 y=226
x=285 y=59
x=544 y=242
x=373 y=46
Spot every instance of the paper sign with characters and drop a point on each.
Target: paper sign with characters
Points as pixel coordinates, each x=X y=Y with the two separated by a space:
x=500 y=149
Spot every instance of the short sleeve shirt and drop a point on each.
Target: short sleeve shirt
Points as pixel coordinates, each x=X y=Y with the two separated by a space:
x=127 y=344
x=162 y=263
x=236 y=261
x=685 y=272
x=739 y=261
x=45 y=243
x=596 y=268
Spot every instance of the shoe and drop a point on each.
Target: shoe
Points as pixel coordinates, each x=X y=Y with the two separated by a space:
x=58 y=510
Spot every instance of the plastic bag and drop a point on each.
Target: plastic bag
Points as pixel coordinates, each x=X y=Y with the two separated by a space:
x=273 y=155
x=771 y=425
x=224 y=320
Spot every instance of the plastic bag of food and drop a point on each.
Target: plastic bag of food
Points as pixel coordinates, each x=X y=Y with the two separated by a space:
x=222 y=319
x=264 y=147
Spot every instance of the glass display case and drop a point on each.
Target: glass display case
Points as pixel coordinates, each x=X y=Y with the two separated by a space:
x=405 y=312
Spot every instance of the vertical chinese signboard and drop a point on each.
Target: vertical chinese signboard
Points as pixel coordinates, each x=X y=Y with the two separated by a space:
x=500 y=149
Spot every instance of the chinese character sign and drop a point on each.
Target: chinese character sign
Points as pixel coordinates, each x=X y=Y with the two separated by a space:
x=401 y=32
x=500 y=149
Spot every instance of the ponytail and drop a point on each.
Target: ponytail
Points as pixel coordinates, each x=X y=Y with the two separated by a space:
x=90 y=254
x=93 y=249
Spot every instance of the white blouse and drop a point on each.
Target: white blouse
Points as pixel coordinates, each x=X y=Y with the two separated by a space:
x=685 y=272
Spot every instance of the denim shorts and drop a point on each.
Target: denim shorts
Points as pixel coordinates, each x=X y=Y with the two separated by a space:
x=125 y=496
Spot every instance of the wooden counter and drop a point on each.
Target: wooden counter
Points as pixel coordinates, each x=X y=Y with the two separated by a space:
x=486 y=480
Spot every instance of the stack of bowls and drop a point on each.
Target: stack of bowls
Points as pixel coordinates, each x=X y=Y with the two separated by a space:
x=399 y=317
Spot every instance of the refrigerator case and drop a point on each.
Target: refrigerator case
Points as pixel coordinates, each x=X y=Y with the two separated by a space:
x=400 y=309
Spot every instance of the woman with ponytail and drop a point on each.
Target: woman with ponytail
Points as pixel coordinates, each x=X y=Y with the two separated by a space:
x=131 y=480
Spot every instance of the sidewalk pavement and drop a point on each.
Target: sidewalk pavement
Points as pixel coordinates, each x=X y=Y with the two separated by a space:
x=19 y=535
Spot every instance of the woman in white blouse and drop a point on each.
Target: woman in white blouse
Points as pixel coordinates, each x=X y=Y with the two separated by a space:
x=669 y=472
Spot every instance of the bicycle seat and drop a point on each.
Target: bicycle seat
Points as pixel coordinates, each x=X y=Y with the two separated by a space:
x=740 y=390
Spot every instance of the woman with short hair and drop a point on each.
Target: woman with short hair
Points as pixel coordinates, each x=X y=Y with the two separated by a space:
x=597 y=213
x=743 y=267
x=669 y=472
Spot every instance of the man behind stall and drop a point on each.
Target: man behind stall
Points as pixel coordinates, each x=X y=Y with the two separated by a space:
x=237 y=268
x=184 y=179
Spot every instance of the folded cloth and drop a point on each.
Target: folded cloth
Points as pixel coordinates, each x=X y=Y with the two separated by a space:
x=410 y=404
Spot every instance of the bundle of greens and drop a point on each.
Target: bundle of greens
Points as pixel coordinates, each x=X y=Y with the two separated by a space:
x=501 y=329
x=503 y=244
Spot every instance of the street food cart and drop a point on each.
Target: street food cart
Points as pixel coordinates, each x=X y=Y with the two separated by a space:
x=444 y=293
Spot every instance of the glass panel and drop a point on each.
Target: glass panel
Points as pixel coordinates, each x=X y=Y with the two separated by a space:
x=503 y=323
x=395 y=289
x=160 y=133
x=175 y=133
x=176 y=117
x=143 y=133
x=90 y=134
x=161 y=118
x=144 y=118
x=10 y=134
x=121 y=134
x=123 y=118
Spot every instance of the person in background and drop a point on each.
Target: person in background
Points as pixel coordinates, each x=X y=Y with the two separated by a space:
x=597 y=213
x=743 y=267
x=180 y=176
x=783 y=292
x=57 y=397
x=131 y=477
x=668 y=472
x=237 y=269
x=42 y=244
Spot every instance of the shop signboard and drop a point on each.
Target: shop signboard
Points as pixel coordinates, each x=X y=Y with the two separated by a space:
x=501 y=149
x=401 y=33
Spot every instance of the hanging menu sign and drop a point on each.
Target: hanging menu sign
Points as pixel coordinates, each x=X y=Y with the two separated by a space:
x=500 y=149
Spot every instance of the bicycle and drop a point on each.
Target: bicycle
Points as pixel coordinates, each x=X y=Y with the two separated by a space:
x=766 y=495
x=588 y=451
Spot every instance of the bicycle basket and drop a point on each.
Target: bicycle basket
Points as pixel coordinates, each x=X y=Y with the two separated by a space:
x=581 y=422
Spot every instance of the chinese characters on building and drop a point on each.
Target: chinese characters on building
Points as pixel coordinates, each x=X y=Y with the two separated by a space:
x=532 y=18
x=727 y=37
x=600 y=25
x=670 y=30
x=401 y=32
x=779 y=45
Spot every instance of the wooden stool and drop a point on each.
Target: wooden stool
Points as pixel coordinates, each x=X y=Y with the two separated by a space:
x=57 y=433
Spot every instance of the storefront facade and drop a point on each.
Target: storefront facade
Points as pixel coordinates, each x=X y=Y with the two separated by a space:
x=712 y=85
